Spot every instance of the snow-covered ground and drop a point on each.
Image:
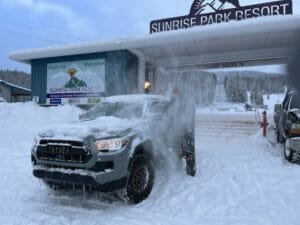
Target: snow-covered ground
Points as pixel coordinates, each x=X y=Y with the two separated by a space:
x=243 y=181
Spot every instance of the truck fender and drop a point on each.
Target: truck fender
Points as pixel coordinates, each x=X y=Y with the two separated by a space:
x=144 y=148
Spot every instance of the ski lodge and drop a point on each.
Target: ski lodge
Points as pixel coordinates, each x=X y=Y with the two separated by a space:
x=13 y=93
x=126 y=65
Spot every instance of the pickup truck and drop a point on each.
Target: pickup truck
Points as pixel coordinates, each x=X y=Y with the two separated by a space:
x=287 y=121
x=114 y=146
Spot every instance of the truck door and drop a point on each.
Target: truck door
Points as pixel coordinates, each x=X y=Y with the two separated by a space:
x=283 y=112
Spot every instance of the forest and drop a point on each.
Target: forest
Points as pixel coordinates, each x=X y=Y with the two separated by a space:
x=16 y=77
x=238 y=84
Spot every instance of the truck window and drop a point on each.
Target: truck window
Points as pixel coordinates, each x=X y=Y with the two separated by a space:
x=286 y=103
x=295 y=102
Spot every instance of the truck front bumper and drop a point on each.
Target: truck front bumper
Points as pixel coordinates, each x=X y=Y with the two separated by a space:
x=105 y=172
x=78 y=180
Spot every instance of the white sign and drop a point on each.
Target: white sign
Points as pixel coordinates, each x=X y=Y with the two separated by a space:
x=77 y=82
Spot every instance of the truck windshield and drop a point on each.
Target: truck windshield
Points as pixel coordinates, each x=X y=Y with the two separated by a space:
x=116 y=109
x=295 y=102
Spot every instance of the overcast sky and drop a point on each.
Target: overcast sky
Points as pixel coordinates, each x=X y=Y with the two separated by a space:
x=39 y=23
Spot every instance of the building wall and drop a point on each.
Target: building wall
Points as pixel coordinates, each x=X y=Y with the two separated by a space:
x=121 y=72
x=20 y=98
x=5 y=92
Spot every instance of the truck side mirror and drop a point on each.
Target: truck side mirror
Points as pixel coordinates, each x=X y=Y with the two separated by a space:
x=277 y=107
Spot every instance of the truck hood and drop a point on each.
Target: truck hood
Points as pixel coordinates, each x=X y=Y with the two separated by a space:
x=101 y=127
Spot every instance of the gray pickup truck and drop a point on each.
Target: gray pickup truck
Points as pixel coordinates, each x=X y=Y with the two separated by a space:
x=287 y=120
x=110 y=148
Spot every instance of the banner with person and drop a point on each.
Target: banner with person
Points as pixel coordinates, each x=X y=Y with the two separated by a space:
x=76 y=82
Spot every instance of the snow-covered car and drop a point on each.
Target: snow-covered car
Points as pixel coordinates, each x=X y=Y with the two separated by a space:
x=287 y=120
x=110 y=148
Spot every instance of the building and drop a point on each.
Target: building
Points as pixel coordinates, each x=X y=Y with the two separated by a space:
x=84 y=73
x=13 y=93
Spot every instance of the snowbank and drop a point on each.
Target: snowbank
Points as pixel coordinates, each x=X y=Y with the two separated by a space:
x=227 y=116
x=21 y=121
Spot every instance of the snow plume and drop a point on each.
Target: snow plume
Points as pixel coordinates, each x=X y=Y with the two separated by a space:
x=188 y=88
x=186 y=91
x=195 y=85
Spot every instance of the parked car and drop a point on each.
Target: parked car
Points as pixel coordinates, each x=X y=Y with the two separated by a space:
x=113 y=147
x=287 y=120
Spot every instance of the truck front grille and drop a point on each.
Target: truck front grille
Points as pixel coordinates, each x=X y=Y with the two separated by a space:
x=63 y=151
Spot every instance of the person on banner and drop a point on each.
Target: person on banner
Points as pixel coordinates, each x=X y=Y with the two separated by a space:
x=74 y=82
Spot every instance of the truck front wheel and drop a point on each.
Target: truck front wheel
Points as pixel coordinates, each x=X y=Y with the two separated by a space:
x=289 y=154
x=140 y=179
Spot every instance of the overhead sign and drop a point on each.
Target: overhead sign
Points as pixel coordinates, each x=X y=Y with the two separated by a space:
x=204 y=12
x=77 y=82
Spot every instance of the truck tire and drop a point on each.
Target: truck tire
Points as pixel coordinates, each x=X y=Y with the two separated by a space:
x=188 y=152
x=191 y=167
x=140 y=179
x=289 y=154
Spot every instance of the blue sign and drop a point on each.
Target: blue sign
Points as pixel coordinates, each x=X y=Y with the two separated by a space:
x=55 y=101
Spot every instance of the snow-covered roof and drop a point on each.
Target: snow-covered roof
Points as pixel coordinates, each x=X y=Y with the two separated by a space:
x=267 y=39
x=135 y=98
x=15 y=87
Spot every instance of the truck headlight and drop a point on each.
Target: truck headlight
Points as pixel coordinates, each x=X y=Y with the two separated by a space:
x=111 y=144
x=295 y=128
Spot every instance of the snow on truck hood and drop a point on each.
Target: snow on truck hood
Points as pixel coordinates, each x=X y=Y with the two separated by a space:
x=101 y=127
